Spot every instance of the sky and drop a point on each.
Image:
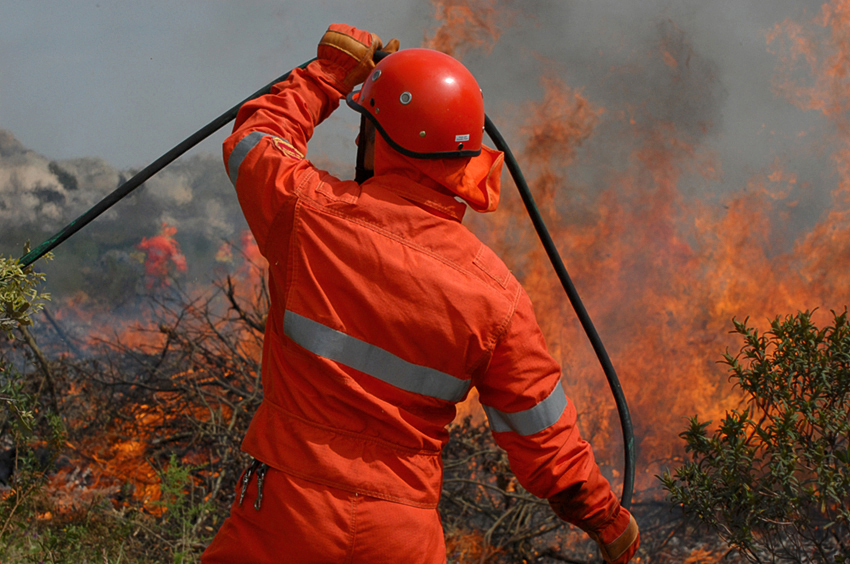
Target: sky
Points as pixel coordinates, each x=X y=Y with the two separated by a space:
x=103 y=88
x=125 y=81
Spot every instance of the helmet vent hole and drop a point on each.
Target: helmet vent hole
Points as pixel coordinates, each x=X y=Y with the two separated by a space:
x=459 y=146
x=405 y=98
x=372 y=102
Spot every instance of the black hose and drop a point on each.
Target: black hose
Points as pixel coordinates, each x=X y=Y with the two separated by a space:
x=525 y=193
x=578 y=306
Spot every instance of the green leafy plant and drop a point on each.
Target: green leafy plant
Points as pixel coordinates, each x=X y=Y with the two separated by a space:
x=31 y=436
x=19 y=296
x=773 y=479
x=183 y=511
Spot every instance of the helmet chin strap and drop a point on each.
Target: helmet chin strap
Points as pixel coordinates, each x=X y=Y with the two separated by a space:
x=361 y=173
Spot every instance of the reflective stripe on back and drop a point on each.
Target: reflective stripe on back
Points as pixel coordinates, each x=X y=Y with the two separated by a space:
x=540 y=417
x=352 y=352
x=241 y=150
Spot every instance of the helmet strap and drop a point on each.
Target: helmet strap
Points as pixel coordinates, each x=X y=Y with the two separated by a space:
x=361 y=173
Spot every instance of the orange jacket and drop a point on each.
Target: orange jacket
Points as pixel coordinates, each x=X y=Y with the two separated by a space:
x=385 y=311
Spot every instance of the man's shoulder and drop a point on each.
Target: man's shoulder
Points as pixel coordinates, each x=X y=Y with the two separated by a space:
x=494 y=267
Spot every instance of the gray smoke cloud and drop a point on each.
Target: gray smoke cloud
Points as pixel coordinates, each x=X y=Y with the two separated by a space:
x=35 y=191
x=703 y=69
x=39 y=196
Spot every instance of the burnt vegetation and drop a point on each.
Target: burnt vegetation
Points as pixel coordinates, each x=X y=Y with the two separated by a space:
x=126 y=449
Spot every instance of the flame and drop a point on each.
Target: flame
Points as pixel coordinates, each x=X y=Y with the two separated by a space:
x=225 y=252
x=702 y=556
x=814 y=71
x=116 y=462
x=254 y=263
x=662 y=274
x=814 y=75
x=467 y=547
x=252 y=267
x=558 y=125
x=162 y=256
x=107 y=464
x=465 y=25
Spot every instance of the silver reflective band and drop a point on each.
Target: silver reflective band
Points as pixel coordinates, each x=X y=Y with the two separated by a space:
x=241 y=150
x=374 y=361
x=540 y=417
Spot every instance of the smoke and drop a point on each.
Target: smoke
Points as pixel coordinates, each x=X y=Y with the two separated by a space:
x=653 y=71
x=38 y=197
x=34 y=190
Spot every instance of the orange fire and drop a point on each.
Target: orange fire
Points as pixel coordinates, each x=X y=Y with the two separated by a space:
x=814 y=74
x=663 y=274
x=464 y=25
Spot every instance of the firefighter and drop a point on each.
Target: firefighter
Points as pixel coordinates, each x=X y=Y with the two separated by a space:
x=385 y=311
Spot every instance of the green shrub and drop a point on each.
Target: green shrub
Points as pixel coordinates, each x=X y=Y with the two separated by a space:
x=31 y=437
x=19 y=298
x=184 y=511
x=774 y=478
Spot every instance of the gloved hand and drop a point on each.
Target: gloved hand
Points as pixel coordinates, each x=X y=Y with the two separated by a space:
x=352 y=49
x=619 y=543
x=618 y=540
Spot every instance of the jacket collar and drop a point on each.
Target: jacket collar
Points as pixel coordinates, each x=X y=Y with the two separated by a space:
x=425 y=192
x=475 y=180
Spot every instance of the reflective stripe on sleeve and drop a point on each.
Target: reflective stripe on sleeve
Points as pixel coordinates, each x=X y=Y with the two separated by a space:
x=540 y=417
x=241 y=150
x=374 y=361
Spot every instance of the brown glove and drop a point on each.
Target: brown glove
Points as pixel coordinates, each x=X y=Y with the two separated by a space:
x=619 y=548
x=618 y=538
x=352 y=50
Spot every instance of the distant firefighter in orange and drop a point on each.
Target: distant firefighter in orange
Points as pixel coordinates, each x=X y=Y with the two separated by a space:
x=385 y=312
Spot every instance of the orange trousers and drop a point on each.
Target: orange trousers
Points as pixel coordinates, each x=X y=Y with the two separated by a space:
x=303 y=522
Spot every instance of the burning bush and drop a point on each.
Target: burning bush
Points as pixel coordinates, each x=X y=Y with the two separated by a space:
x=774 y=479
x=133 y=454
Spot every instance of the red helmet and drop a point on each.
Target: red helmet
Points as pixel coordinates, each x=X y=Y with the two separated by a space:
x=426 y=104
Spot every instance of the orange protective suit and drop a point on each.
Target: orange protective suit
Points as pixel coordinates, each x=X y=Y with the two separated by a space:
x=385 y=311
